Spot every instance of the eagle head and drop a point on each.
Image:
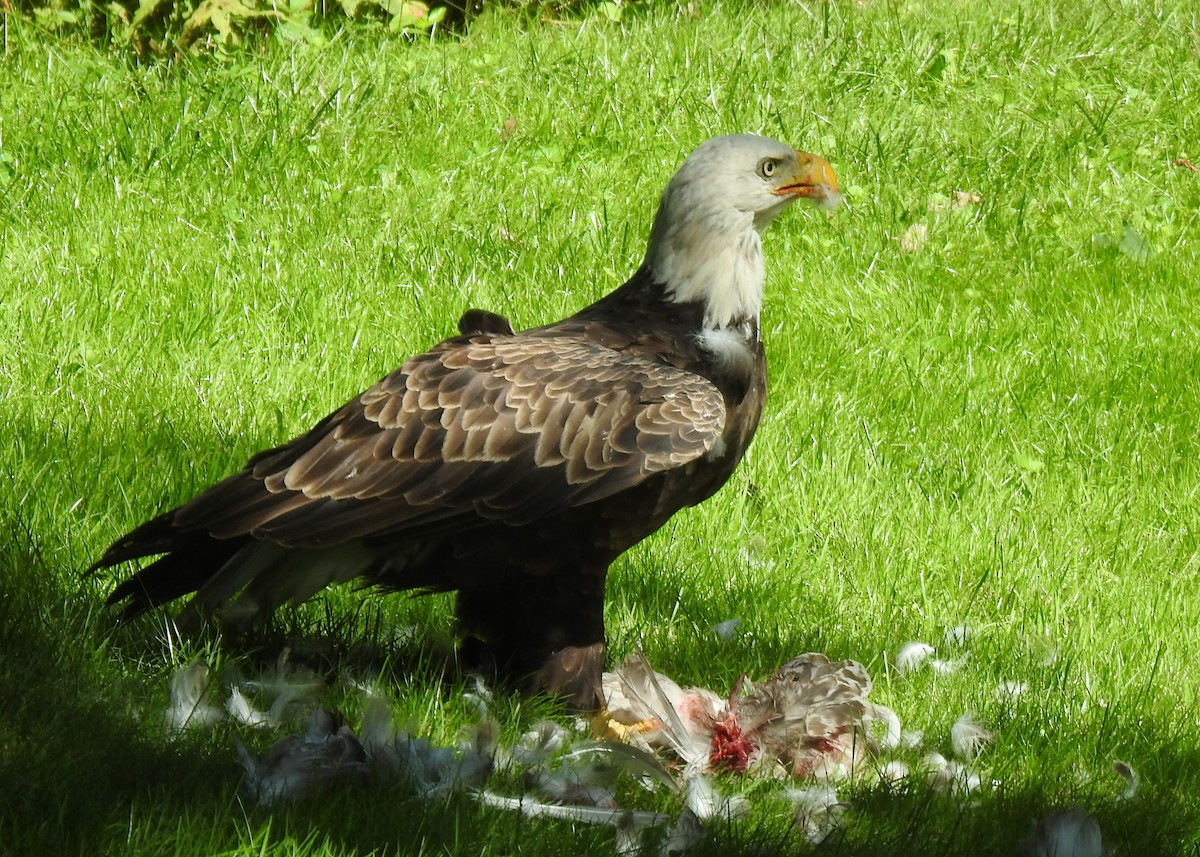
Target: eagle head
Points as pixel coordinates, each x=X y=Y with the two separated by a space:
x=705 y=243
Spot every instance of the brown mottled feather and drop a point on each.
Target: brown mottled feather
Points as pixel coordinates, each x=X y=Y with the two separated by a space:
x=651 y=418
x=475 y=321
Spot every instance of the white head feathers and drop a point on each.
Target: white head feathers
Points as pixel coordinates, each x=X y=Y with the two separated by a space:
x=705 y=243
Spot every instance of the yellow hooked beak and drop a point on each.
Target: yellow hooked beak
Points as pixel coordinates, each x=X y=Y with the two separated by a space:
x=813 y=178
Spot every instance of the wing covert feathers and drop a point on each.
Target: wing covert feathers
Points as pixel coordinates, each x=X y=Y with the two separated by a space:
x=483 y=427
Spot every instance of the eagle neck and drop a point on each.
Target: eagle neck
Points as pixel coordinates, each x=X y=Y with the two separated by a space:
x=715 y=260
x=643 y=312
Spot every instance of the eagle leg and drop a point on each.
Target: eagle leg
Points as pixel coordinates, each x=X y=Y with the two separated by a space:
x=573 y=672
x=545 y=632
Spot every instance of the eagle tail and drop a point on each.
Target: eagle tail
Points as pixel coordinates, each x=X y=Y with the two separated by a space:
x=153 y=537
x=188 y=561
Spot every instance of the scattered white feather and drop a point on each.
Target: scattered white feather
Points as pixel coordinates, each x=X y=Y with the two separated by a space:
x=706 y=802
x=479 y=696
x=613 y=758
x=288 y=679
x=377 y=731
x=685 y=834
x=434 y=771
x=831 y=199
x=964 y=780
x=287 y=685
x=818 y=811
x=934 y=763
x=951 y=776
x=189 y=707
x=585 y=814
x=912 y=655
x=295 y=765
x=911 y=739
x=968 y=736
x=428 y=769
x=1010 y=689
x=959 y=635
x=580 y=785
x=277 y=713
x=1132 y=781
x=727 y=630
x=813 y=797
x=947 y=667
x=887 y=720
x=1073 y=833
x=1043 y=650
x=893 y=772
x=702 y=797
x=588 y=772
x=540 y=743
x=243 y=712
x=627 y=840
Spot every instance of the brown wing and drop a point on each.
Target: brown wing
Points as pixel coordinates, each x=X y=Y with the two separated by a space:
x=475 y=321
x=478 y=429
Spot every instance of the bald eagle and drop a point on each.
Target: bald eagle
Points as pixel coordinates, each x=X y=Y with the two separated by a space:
x=513 y=468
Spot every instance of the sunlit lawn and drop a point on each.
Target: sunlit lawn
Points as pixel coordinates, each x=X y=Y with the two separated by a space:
x=984 y=409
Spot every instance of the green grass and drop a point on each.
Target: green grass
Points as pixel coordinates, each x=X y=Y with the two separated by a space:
x=998 y=429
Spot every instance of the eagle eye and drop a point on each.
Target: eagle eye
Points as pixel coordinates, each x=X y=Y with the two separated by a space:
x=767 y=166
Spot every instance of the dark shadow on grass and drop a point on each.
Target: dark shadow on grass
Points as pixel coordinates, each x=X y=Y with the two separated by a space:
x=80 y=773
x=330 y=636
x=73 y=760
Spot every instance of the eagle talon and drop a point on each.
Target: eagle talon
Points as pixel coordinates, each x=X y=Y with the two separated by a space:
x=575 y=673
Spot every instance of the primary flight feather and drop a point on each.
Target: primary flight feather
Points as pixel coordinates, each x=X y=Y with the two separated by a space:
x=514 y=467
